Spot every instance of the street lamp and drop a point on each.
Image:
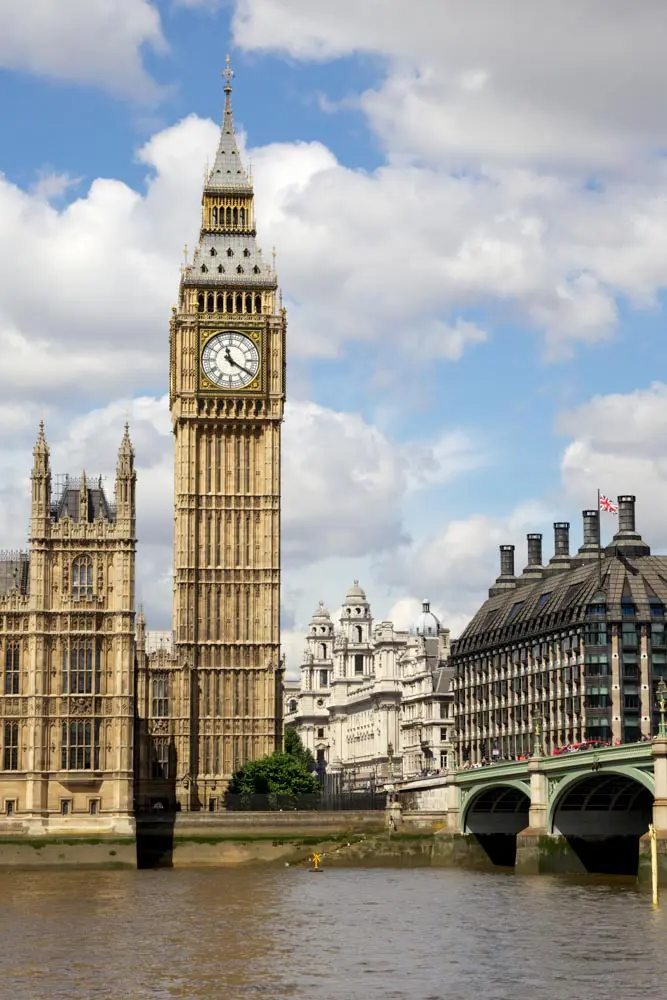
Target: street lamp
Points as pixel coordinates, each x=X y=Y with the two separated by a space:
x=537 y=737
x=661 y=692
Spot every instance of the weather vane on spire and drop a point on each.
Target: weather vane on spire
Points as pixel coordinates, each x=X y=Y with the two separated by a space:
x=228 y=76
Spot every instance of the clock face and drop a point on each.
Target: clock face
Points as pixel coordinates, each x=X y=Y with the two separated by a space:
x=230 y=360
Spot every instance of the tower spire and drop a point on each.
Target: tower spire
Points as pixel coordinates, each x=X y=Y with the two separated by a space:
x=228 y=171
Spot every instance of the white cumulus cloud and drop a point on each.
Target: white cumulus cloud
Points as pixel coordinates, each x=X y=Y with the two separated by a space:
x=83 y=41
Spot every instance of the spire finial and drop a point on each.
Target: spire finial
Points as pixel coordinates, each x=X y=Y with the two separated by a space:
x=228 y=76
x=126 y=450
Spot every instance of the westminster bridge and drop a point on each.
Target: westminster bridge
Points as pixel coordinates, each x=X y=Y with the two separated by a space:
x=584 y=811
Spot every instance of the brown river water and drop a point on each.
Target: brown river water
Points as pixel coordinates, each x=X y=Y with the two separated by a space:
x=345 y=934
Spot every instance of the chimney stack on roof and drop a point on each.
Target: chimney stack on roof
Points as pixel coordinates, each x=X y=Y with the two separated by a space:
x=561 y=556
x=506 y=580
x=627 y=539
x=534 y=569
x=591 y=544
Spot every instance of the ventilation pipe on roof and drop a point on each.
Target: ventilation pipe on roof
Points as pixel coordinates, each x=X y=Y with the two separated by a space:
x=506 y=580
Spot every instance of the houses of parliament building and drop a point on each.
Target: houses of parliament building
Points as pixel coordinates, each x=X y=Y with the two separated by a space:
x=97 y=719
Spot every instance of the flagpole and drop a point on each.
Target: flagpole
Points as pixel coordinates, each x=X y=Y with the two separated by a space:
x=599 y=544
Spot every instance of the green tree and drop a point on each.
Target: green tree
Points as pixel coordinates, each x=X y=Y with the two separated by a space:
x=293 y=745
x=281 y=777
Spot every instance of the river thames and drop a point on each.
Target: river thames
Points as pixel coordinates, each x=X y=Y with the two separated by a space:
x=346 y=934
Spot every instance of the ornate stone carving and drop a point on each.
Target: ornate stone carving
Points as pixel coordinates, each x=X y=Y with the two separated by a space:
x=80 y=706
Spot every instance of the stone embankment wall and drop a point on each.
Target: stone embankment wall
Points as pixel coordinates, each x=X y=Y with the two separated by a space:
x=194 y=840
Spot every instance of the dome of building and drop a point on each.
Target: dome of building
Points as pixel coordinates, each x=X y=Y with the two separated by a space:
x=426 y=624
x=355 y=595
x=321 y=614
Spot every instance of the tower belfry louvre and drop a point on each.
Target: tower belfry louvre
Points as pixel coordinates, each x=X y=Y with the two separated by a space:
x=227 y=392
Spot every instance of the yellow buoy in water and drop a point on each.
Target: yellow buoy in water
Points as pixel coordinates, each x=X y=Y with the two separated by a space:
x=316 y=858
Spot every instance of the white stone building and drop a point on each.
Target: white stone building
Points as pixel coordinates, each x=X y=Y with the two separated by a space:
x=370 y=692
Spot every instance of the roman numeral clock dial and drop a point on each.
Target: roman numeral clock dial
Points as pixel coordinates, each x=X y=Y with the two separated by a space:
x=230 y=360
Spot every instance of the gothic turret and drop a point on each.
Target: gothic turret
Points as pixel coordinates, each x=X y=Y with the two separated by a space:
x=41 y=485
x=125 y=480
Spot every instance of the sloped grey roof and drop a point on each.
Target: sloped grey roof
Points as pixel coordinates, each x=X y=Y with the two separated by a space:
x=205 y=271
x=442 y=679
x=14 y=572
x=558 y=599
x=68 y=504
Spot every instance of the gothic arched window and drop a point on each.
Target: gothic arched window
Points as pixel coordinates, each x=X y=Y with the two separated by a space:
x=213 y=252
x=12 y=664
x=219 y=304
x=215 y=216
x=200 y=302
x=209 y=304
x=242 y=216
x=204 y=269
x=80 y=746
x=239 y=303
x=230 y=252
x=160 y=698
x=246 y=252
x=236 y=217
x=10 y=755
x=230 y=303
x=82 y=578
x=81 y=667
x=239 y=269
x=248 y=303
x=229 y=216
x=221 y=269
x=258 y=302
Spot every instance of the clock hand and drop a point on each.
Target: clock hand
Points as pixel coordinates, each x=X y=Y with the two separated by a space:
x=230 y=359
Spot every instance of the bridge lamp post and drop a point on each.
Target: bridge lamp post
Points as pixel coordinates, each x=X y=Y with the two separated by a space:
x=661 y=692
x=538 y=750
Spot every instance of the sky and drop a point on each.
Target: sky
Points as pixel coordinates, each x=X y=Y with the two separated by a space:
x=468 y=202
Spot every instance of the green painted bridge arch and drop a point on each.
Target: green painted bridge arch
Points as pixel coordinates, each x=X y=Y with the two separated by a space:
x=495 y=806
x=616 y=798
x=585 y=785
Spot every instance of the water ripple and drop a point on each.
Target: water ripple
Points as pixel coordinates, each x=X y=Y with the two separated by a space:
x=275 y=934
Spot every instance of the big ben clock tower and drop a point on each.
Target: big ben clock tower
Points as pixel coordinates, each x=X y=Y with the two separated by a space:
x=227 y=394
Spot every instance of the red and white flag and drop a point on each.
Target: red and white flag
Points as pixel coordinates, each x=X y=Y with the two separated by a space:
x=608 y=505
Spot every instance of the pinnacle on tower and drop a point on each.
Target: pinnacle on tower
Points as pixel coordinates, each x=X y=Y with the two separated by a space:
x=228 y=170
x=83 y=497
x=126 y=451
x=41 y=451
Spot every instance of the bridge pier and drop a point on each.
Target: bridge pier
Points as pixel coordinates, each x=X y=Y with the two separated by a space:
x=660 y=779
x=531 y=840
